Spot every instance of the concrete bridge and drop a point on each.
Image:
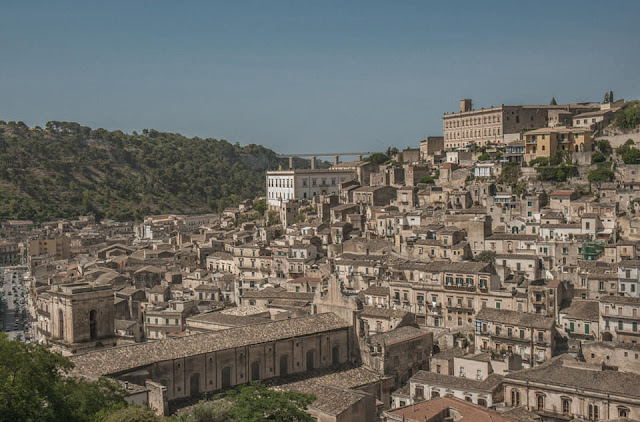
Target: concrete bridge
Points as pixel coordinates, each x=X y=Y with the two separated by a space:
x=313 y=156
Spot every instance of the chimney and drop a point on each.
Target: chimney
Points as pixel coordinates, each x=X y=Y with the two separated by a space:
x=465 y=105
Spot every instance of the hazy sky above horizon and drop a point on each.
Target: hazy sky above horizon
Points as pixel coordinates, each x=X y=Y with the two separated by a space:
x=303 y=76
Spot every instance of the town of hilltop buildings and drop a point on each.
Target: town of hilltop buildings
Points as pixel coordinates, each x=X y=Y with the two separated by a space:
x=424 y=288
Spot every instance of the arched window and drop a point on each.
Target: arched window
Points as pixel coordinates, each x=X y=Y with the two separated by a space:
x=226 y=377
x=540 y=402
x=566 y=407
x=93 y=324
x=255 y=371
x=623 y=412
x=335 y=354
x=284 y=365
x=194 y=384
x=515 y=398
x=60 y=324
x=310 y=358
x=594 y=413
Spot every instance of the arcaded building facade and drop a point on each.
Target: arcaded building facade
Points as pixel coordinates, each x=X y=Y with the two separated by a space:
x=207 y=362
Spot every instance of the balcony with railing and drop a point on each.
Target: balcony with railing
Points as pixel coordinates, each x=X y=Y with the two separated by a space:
x=510 y=338
x=628 y=331
x=460 y=287
x=434 y=310
x=460 y=308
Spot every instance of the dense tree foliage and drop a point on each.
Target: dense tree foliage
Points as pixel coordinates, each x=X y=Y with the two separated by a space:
x=629 y=116
x=486 y=256
x=558 y=173
x=628 y=153
x=604 y=146
x=378 y=158
x=597 y=157
x=256 y=403
x=510 y=175
x=65 y=170
x=600 y=174
x=260 y=206
x=251 y=403
x=206 y=411
x=540 y=161
x=135 y=414
x=34 y=387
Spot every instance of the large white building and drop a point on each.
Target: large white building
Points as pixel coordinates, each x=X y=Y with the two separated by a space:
x=286 y=185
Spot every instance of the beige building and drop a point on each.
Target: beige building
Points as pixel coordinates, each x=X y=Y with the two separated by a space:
x=564 y=389
x=497 y=125
x=431 y=146
x=191 y=365
x=76 y=317
x=547 y=141
x=57 y=246
x=510 y=332
x=619 y=319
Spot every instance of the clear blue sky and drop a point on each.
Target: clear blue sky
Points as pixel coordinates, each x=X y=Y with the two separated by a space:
x=306 y=75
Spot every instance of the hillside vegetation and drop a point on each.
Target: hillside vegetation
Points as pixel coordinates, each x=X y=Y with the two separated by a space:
x=66 y=170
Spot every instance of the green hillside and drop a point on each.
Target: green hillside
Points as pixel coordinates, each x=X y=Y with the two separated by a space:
x=66 y=170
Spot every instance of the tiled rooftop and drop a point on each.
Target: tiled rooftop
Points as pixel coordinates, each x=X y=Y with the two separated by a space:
x=126 y=358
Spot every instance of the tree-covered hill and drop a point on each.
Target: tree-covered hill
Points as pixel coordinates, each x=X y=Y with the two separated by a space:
x=66 y=170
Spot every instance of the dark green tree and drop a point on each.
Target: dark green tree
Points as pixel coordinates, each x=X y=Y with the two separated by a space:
x=610 y=96
x=553 y=101
x=34 y=386
x=207 y=411
x=606 y=98
x=133 y=414
x=256 y=403
x=260 y=206
x=604 y=146
x=377 y=158
x=600 y=174
x=597 y=157
x=486 y=256
x=631 y=156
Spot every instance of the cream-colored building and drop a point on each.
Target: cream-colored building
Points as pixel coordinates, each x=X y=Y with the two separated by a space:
x=564 y=389
x=287 y=185
x=497 y=125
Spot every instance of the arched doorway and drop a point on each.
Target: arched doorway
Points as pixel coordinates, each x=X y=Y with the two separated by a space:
x=226 y=377
x=335 y=355
x=255 y=371
x=284 y=365
x=607 y=336
x=310 y=357
x=194 y=384
x=60 y=324
x=93 y=324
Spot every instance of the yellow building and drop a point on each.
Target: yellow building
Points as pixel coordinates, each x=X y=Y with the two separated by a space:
x=547 y=141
